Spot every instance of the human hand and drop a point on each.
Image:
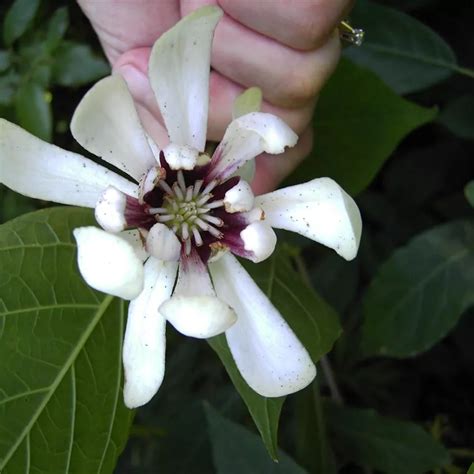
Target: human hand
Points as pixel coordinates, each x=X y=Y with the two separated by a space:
x=287 y=48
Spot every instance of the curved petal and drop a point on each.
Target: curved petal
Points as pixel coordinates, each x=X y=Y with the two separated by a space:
x=245 y=138
x=108 y=263
x=320 y=210
x=162 y=243
x=179 y=75
x=194 y=310
x=259 y=241
x=134 y=238
x=144 y=344
x=106 y=123
x=40 y=170
x=269 y=356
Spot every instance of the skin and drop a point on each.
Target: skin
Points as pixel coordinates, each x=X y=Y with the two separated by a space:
x=288 y=48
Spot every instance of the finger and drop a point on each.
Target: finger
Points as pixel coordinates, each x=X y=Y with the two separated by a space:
x=133 y=67
x=271 y=170
x=288 y=78
x=304 y=24
x=128 y=24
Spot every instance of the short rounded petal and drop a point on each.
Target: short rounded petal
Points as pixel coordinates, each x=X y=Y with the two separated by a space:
x=239 y=198
x=40 y=170
x=110 y=210
x=247 y=137
x=181 y=157
x=106 y=123
x=108 y=263
x=198 y=316
x=260 y=240
x=162 y=243
x=320 y=210
x=194 y=310
x=179 y=75
x=144 y=343
x=136 y=240
x=268 y=355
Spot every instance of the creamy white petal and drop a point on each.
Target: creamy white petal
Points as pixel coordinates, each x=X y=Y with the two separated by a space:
x=110 y=210
x=179 y=74
x=194 y=310
x=106 y=123
x=40 y=170
x=239 y=198
x=247 y=137
x=145 y=343
x=269 y=356
x=162 y=243
x=320 y=210
x=108 y=263
x=135 y=239
x=260 y=239
x=181 y=157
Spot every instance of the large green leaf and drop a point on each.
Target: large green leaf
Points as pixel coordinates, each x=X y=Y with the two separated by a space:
x=18 y=18
x=236 y=450
x=75 y=65
x=61 y=407
x=312 y=320
x=420 y=292
x=389 y=445
x=33 y=110
x=458 y=116
x=405 y=53
x=265 y=411
x=358 y=124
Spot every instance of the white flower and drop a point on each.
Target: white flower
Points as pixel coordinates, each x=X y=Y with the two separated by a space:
x=180 y=211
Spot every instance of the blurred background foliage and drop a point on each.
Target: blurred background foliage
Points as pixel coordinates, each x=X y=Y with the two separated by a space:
x=395 y=127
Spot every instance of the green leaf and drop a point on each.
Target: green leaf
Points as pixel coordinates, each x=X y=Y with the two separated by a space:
x=420 y=293
x=404 y=52
x=33 y=110
x=8 y=87
x=75 y=65
x=471 y=469
x=313 y=448
x=385 y=444
x=57 y=27
x=61 y=407
x=5 y=60
x=458 y=117
x=264 y=411
x=469 y=192
x=18 y=18
x=359 y=122
x=249 y=101
x=236 y=450
x=312 y=320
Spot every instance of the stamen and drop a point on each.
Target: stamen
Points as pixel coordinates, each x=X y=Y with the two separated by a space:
x=187 y=246
x=197 y=236
x=203 y=199
x=156 y=210
x=166 y=218
x=185 y=231
x=216 y=233
x=181 y=182
x=201 y=224
x=197 y=187
x=177 y=191
x=214 y=204
x=189 y=193
x=213 y=220
x=210 y=186
x=165 y=187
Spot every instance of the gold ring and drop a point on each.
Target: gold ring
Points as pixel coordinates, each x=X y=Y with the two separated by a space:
x=349 y=34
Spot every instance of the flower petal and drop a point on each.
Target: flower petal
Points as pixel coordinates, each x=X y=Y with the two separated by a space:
x=269 y=356
x=108 y=263
x=134 y=238
x=106 y=123
x=245 y=138
x=162 y=243
x=194 y=310
x=144 y=344
x=43 y=171
x=259 y=240
x=179 y=75
x=239 y=198
x=320 y=210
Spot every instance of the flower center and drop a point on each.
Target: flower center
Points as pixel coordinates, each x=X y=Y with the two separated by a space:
x=186 y=209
